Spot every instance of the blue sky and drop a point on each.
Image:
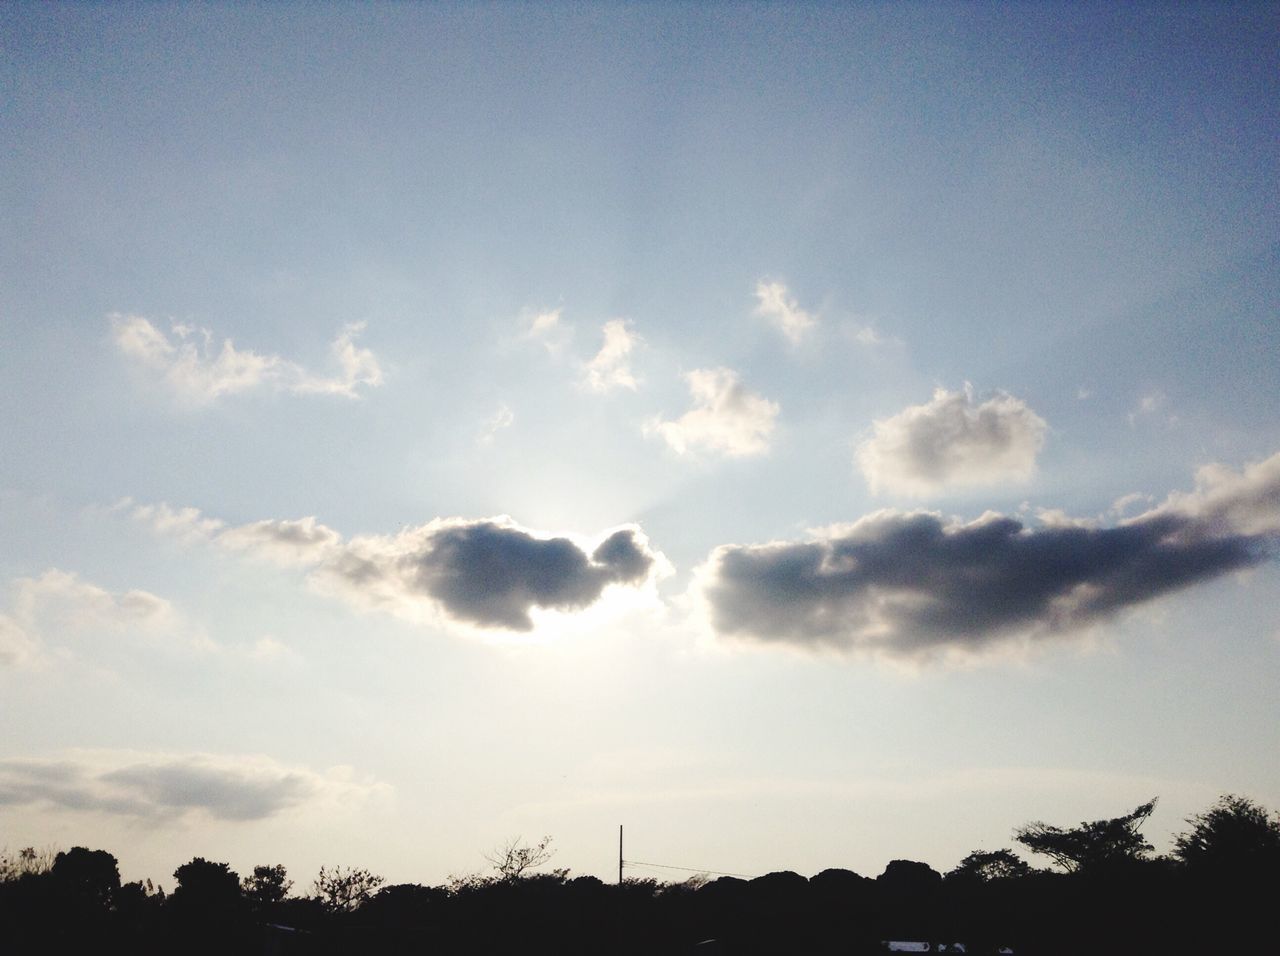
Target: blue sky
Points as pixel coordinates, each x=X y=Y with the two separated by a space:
x=808 y=435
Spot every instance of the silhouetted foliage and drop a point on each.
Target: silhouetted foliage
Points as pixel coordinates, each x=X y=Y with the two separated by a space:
x=987 y=865
x=267 y=886
x=91 y=875
x=28 y=861
x=1216 y=895
x=1234 y=834
x=1090 y=845
x=515 y=859
x=345 y=889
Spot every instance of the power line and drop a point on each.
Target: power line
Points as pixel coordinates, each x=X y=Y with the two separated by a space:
x=689 y=869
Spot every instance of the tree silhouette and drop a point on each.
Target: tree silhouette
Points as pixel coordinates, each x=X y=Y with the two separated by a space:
x=987 y=865
x=344 y=889
x=1234 y=834
x=267 y=886
x=90 y=875
x=1091 y=844
x=515 y=858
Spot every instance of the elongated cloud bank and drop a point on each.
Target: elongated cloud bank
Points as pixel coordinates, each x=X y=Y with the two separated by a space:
x=489 y=573
x=912 y=584
x=159 y=787
x=952 y=441
x=199 y=373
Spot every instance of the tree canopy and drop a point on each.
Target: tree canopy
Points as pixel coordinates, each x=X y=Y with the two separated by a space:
x=1235 y=833
x=1091 y=844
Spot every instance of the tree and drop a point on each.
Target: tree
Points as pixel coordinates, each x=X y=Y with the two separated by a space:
x=1091 y=844
x=987 y=865
x=344 y=890
x=205 y=888
x=267 y=886
x=1235 y=834
x=90 y=875
x=515 y=859
x=26 y=862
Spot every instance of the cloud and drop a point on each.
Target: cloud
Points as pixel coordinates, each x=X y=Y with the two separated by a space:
x=725 y=417
x=610 y=369
x=165 y=787
x=914 y=585
x=1152 y=407
x=284 y=542
x=186 y=524
x=60 y=604
x=951 y=441
x=62 y=599
x=775 y=305
x=488 y=573
x=545 y=326
x=17 y=649
x=502 y=418
x=200 y=372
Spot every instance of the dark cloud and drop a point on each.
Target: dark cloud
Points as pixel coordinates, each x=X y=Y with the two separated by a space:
x=912 y=583
x=238 y=789
x=493 y=575
x=487 y=572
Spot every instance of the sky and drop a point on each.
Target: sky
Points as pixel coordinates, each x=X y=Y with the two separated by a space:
x=808 y=435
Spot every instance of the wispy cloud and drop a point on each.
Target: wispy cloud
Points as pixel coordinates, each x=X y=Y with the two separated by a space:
x=166 y=787
x=916 y=585
x=545 y=326
x=58 y=604
x=500 y=419
x=725 y=417
x=775 y=304
x=488 y=573
x=201 y=371
x=610 y=368
x=952 y=441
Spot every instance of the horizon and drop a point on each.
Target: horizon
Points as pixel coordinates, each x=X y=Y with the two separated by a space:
x=808 y=437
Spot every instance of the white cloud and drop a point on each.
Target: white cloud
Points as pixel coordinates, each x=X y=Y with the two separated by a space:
x=160 y=788
x=289 y=543
x=1152 y=407
x=359 y=367
x=59 y=604
x=502 y=418
x=952 y=441
x=187 y=524
x=610 y=368
x=17 y=649
x=200 y=372
x=62 y=598
x=545 y=326
x=775 y=305
x=725 y=417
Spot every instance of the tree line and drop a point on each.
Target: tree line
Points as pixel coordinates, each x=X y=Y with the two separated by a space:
x=1104 y=892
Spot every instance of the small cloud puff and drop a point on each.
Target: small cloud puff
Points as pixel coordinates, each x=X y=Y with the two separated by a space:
x=952 y=441
x=200 y=373
x=610 y=368
x=774 y=304
x=913 y=585
x=500 y=419
x=725 y=417
x=159 y=788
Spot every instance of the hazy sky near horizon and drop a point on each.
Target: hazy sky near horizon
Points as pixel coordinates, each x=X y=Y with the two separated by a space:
x=808 y=435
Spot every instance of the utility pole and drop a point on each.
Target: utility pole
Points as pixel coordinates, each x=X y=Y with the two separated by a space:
x=619 y=854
